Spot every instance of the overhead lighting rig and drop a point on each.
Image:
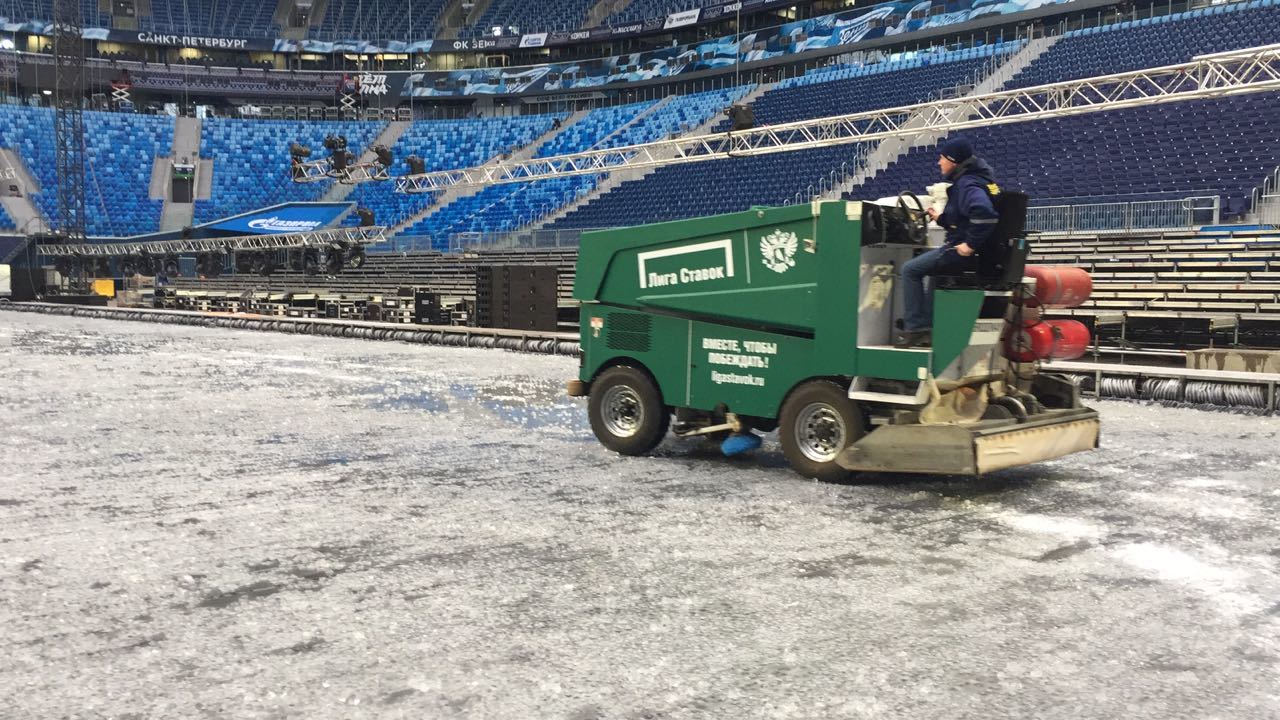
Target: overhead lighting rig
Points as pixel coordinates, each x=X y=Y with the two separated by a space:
x=340 y=165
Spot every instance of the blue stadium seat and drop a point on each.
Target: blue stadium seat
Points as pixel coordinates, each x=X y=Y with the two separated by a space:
x=251 y=161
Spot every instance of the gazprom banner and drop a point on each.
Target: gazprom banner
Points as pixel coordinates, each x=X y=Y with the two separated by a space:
x=292 y=217
x=680 y=19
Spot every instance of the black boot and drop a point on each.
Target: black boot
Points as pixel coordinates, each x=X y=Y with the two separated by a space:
x=914 y=338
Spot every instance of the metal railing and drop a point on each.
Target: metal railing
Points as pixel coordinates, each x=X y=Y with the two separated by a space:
x=1267 y=210
x=1125 y=216
x=1269 y=188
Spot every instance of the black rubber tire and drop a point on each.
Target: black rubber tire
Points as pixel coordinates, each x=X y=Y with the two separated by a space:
x=835 y=399
x=653 y=418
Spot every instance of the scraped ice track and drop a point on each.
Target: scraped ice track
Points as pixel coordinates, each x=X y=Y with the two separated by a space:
x=211 y=523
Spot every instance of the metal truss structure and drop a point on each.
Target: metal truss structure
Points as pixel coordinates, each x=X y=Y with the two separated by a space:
x=313 y=238
x=1231 y=73
x=68 y=99
x=321 y=170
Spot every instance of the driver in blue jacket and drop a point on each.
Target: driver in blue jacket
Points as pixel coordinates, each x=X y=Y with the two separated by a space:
x=969 y=218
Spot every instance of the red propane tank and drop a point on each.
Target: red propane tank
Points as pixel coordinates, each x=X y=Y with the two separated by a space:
x=1053 y=339
x=1060 y=285
x=1070 y=339
x=1028 y=344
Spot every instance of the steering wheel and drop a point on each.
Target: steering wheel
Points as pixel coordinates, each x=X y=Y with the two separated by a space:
x=918 y=218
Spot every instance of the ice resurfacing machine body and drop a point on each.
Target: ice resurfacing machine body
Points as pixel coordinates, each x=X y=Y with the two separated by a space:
x=784 y=317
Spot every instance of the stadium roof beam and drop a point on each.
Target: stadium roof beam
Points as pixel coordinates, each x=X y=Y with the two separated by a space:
x=1230 y=73
x=311 y=238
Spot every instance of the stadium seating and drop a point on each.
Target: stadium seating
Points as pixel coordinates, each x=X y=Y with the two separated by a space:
x=120 y=150
x=727 y=185
x=526 y=17
x=508 y=207
x=446 y=145
x=1151 y=153
x=361 y=20
x=29 y=132
x=6 y=222
x=201 y=17
x=1153 y=42
x=1219 y=147
x=251 y=161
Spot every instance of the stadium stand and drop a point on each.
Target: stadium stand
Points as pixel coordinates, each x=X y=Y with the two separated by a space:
x=1219 y=147
x=1149 y=153
x=446 y=145
x=507 y=207
x=1153 y=42
x=6 y=222
x=362 y=20
x=251 y=161
x=640 y=10
x=119 y=152
x=28 y=132
x=501 y=207
x=197 y=17
x=526 y=17
x=774 y=179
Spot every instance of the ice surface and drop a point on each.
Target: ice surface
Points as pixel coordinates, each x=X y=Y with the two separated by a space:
x=212 y=523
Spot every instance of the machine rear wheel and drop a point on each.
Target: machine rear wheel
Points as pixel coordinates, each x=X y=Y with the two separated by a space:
x=817 y=422
x=626 y=411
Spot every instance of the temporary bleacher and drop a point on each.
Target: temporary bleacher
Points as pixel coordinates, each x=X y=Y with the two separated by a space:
x=1181 y=289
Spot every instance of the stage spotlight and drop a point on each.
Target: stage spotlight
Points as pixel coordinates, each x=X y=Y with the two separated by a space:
x=299 y=152
x=355 y=257
x=264 y=263
x=334 y=259
x=102 y=267
x=366 y=216
x=171 y=266
x=310 y=262
x=146 y=265
x=209 y=265
x=334 y=143
x=417 y=166
x=383 y=155
x=340 y=159
x=244 y=263
x=129 y=266
x=742 y=116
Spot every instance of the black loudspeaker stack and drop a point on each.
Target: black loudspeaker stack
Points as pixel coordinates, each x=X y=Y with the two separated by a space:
x=517 y=297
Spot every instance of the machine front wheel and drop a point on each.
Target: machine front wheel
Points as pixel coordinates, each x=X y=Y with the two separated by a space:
x=817 y=422
x=626 y=411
